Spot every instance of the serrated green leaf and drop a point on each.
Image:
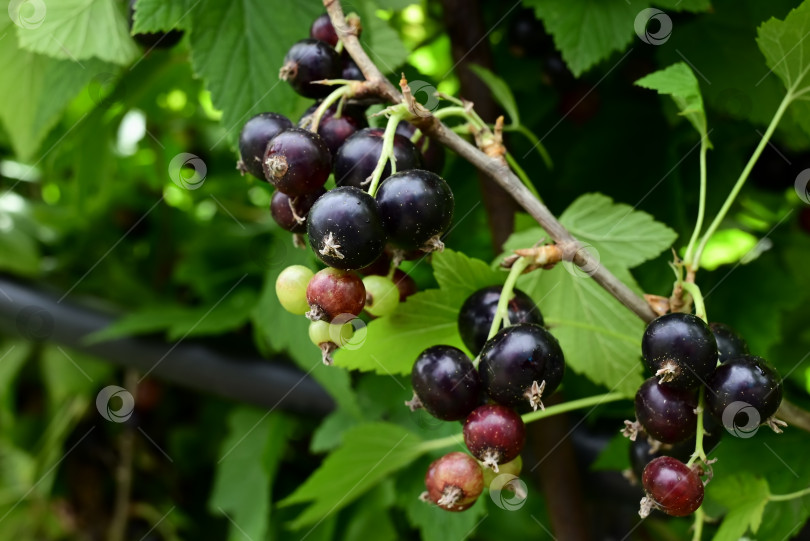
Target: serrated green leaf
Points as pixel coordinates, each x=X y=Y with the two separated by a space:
x=456 y=271
x=161 y=15
x=620 y=234
x=786 y=50
x=500 y=91
x=369 y=453
x=238 y=47
x=587 y=31
x=679 y=82
x=77 y=30
x=745 y=496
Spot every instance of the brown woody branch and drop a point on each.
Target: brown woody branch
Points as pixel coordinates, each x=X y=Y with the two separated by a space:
x=495 y=168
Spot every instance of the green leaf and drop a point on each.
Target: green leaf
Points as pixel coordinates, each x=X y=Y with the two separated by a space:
x=161 y=15
x=329 y=433
x=381 y=41
x=786 y=50
x=255 y=442
x=587 y=31
x=20 y=252
x=369 y=453
x=458 y=272
x=679 y=82
x=620 y=234
x=500 y=91
x=684 y=5
x=32 y=105
x=238 y=48
x=370 y=518
x=614 y=455
x=745 y=496
x=77 y=30
x=68 y=373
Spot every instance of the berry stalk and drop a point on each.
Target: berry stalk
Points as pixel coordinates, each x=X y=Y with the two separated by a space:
x=506 y=293
x=397 y=114
x=704 y=147
x=700 y=518
x=790 y=496
x=699 y=452
x=325 y=104
x=700 y=307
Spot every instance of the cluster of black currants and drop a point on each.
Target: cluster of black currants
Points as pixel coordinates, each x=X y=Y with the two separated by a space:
x=349 y=229
x=516 y=367
x=689 y=357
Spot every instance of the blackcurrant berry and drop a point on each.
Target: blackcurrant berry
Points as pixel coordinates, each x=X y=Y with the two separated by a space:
x=416 y=207
x=680 y=350
x=291 y=288
x=672 y=487
x=253 y=139
x=154 y=40
x=520 y=365
x=345 y=229
x=644 y=449
x=478 y=311
x=357 y=158
x=745 y=391
x=666 y=413
x=527 y=36
x=332 y=292
x=454 y=481
x=351 y=71
x=729 y=343
x=297 y=162
x=334 y=130
x=446 y=383
x=291 y=213
x=494 y=434
x=382 y=295
x=323 y=30
x=307 y=61
x=432 y=151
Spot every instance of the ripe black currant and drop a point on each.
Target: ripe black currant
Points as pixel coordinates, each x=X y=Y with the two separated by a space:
x=446 y=383
x=478 y=311
x=739 y=386
x=253 y=139
x=405 y=284
x=310 y=60
x=680 y=350
x=357 y=158
x=351 y=70
x=454 y=481
x=666 y=413
x=416 y=207
x=297 y=162
x=494 y=434
x=345 y=230
x=672 y=487
x=332 y=292
x=323 y=30
x=154 y=40
x=291 y=213
x=334 y=130
x=520 y=365
x=729 y=342
x=432 y=151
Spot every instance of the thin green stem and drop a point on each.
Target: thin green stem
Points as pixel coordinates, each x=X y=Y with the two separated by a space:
x=700 y=518
x=704 y=147
x=695 y=263
x=791 y=496
x=699 y=453
x=460 y=112
x=522 y=175
x=506 y=294
x=597 y=400
x=325 y=104
x=387 y=153
x=536 y=144
x=697 y=296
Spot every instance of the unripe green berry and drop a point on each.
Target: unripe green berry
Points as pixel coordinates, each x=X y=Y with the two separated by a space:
x=382 y=295
x=291 y=288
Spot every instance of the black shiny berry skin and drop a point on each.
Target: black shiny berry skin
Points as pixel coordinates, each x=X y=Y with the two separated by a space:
x=297 y=162
x=281 y=208
x=432 y=151
x=311 y=60
x=729 y=343
x=446 y=382
x=344 y=228
x=666 y=413
x=335 y=130
x=351 y=71
x=357 y=158
x=515 y=358
x=747 y=380
x=154 y=40
x=675 y=488
x=682 y=346
x=323 y=30
x=478 y=311
x=253 y=139
x=415 y=206
x=494 y=434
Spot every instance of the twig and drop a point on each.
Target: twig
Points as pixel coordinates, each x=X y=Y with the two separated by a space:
x=123 y=471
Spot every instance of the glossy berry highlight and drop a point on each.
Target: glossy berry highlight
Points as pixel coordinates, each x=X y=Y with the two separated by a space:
x=454 y=481
x=680 y=350
x=446 y=383
x=357 y=158
x=666 y=413
x=744 y=392
x=494 y=434
x=297 y=162
x=332 y=292
x=672 y=487
x=253 y=139
x=307 y=61
x=478 y=312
